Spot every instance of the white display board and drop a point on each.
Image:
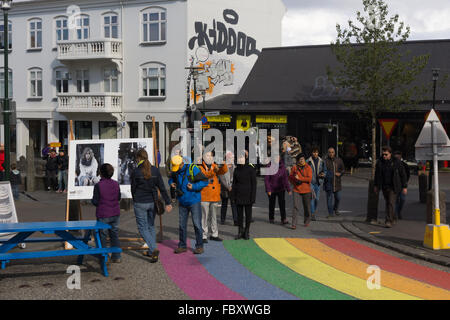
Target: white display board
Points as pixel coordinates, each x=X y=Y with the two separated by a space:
x=87 y=156
x=8 y=212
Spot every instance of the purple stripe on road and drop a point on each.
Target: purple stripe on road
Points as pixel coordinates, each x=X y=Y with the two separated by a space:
x=191 y=276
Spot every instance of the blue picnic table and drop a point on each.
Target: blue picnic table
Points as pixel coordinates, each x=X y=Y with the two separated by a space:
x=61 y=229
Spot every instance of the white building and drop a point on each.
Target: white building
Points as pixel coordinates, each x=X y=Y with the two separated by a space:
x=111 y=65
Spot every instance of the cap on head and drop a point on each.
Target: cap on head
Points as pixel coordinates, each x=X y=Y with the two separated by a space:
x=176 y=161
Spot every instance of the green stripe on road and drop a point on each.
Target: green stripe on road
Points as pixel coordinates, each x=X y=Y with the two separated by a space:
x=250 y=255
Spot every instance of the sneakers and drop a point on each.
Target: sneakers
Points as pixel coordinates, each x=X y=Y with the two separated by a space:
x=307 y=221
x=214 y=238
x=199 y=251
x=293 y=227
x=373 y=222
x=180 y=250
x=153 y=256
x=284 y=222
x=388 y=224
x=337 y=213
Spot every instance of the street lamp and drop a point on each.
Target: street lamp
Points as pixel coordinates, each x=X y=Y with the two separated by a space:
x=435 y=72
x=6 y=5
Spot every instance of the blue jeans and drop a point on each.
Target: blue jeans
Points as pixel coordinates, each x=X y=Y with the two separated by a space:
x=196 y=211
x=400 y=202
x=337 y=199
x=62 y=178
x=315 y=202
x=113 y=233
x=15 y=191
x=145 y=220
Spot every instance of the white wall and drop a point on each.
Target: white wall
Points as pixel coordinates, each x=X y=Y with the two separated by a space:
x=258 y=19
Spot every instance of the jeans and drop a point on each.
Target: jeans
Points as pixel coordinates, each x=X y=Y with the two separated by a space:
x=281 y=204
x=337 y=199
x=15 y=191
x=113 y=234
x=145 y=221
x=315 y=201
x=196 y=211
x=389 y=197
x=50 y=178
x=62 y=178
x=223 y=213
x=401 y=198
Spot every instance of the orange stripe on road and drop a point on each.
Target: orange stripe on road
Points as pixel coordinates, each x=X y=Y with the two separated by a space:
x=357 y=268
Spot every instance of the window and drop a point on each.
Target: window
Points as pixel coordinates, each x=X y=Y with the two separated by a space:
x=148 y=126
x=62 y=81
x=111 y=26
x=35 y=76
x=35 y=34
x=107 y=129
x=2 y=84
x=154 y=25
x=154 y=81
x=83 y=130
x=82 y=27
x=62 y=29
x=2 y=37
x=82 y=80
x=111 y=80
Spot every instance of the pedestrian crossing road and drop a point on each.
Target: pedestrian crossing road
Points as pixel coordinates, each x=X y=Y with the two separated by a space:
x=299 y=269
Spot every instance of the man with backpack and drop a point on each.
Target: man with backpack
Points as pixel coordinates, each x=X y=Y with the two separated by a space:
x=188 y=181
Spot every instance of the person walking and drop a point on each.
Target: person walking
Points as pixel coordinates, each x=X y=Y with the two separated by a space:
x=276 y=187
x=401 y=197
x=146 y=180
x=226 y=183
x=63 y=165
x=300 y=177
x=188 y=181
x=16 y=180
x=390 y=178
x=106 y=199
x=211 y=196
x=243 y=193
x=51 y=170
x=319 y=171
x=333 y=182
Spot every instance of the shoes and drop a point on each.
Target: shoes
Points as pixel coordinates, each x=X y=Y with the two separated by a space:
x=116 y=260
x=307 y=221
x=240 y=234
x=271 y=221
x=284 y=222
x=180 y=250
x=205 y=240
x=199 y=251
x=373 y=222
x=330 y=216
x=293 y=227
x=246 y=233
x=154 y=256
x=337 y=213
x=388 y=224
x=214 y=238
x=59 y=191
x=65 y=191
x=313 y=217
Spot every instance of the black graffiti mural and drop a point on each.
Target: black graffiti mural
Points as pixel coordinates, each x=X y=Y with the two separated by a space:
x=220 y=38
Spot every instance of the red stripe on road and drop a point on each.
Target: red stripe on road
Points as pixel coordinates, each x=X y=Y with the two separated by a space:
x=390 y=263
x=191 y=276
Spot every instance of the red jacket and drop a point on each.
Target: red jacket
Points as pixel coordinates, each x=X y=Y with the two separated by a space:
x=2 y=160
x=303 y=175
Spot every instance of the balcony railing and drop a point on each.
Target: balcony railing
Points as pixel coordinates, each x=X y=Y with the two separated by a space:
x=90 y=49
x=89 y=102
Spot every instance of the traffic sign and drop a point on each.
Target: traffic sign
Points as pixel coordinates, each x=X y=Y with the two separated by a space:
x=388 y=126
x=424 y=147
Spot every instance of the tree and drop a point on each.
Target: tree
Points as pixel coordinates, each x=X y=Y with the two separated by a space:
x=375 y=65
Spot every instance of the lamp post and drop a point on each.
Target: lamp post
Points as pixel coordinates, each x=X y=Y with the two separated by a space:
x=435 y=72
x=6 y=5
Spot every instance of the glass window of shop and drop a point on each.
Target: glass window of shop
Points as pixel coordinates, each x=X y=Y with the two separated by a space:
x=108 y=129
x=83 y=130
x=148 y=130
x=404 y=138
x=134 y=129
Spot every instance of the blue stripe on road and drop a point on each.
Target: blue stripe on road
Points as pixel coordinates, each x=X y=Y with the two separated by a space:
x=226 y=269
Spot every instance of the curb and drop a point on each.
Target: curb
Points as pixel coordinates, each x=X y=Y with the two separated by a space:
x=407 y=250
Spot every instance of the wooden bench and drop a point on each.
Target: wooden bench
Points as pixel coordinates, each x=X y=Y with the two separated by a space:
x=81 y=247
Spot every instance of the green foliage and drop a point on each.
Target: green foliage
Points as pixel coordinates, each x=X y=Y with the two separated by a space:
x=374 y=63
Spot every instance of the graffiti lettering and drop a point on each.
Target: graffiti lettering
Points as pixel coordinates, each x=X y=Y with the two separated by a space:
x=219 y=38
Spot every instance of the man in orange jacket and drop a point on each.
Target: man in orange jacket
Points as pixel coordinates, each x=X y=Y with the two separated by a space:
x=211 y=196
x=300 y=177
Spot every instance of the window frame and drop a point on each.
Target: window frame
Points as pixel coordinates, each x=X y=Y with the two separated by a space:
x=147 y=66
x=62 y=28
x=110 y=25
x=36 y=32
x=10 y=35
x=83 y=80
x=65 y=71
x=36 y=80
x=110 y=79
x=146 y=23
x=82 y=27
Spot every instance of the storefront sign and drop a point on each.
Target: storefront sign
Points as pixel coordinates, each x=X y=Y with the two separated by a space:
x=388 y=126
x=55 y=145
x=271 y=119
x=220 y=118
x=243 y=122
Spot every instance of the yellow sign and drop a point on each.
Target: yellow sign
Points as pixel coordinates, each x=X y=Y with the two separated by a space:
x=271 y=119
x=55 y=145
x=221 y=118
x=206 y=126
x=243 y=122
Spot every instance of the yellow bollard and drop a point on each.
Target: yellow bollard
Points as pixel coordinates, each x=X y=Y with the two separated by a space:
x=437 y=236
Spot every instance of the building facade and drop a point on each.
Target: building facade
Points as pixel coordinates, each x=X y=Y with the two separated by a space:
x=111 y=65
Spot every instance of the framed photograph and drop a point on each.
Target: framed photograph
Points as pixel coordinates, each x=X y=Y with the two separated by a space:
x=8 y=212
x=87 y=156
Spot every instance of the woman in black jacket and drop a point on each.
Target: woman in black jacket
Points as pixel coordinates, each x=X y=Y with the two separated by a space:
x=146 y=180
x=243 y=193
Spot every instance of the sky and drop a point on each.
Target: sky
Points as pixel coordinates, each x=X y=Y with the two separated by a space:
x=309 y=22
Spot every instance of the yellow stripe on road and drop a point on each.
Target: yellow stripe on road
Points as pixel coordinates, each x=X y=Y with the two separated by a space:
x=318 y=271
x=355 y=267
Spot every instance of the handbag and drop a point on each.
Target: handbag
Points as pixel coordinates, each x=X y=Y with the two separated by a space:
x=159 y=205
